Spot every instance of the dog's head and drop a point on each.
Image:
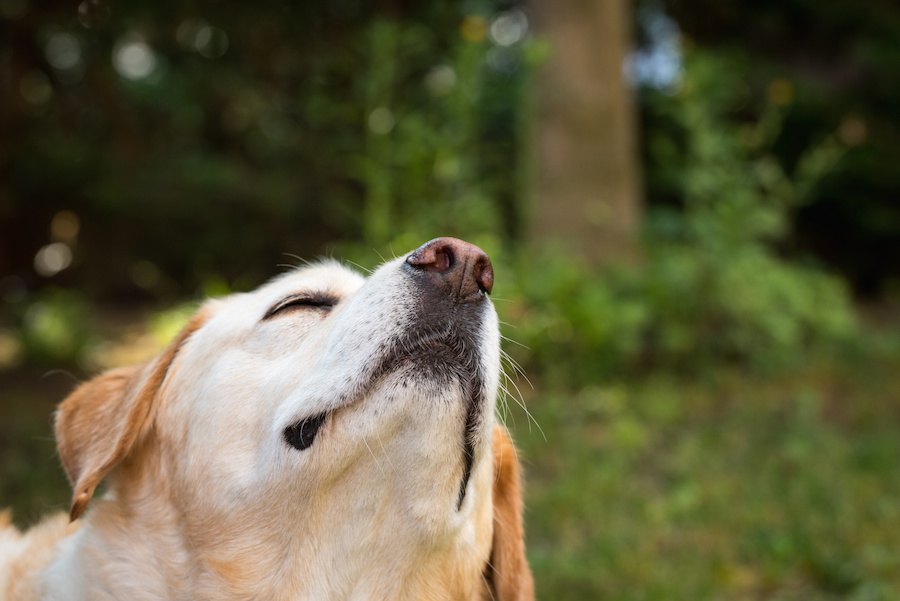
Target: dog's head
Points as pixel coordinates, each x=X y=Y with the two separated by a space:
x=323 y=415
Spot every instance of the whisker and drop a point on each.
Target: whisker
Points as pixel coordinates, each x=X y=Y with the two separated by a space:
x=516 y=342
x=516 y=367
x=298 y=258
x=521 y=402
x=366 y=442
x=387 y=456
x=519 y=398
x=360 y=267
x=56 y=372
x=505 y=414
x=487 y=584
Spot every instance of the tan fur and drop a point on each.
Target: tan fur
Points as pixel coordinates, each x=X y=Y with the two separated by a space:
x=123 y=426
x=508 y=571
x=101 y=421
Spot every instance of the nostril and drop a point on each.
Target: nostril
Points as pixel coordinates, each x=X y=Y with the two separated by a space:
x=443 y=259
x=484 y=275
x=434 y=257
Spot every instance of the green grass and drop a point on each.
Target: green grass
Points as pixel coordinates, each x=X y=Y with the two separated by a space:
x=736 y=489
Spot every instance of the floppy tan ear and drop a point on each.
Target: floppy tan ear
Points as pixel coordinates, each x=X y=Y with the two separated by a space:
x=508 y=571
x=99 y=423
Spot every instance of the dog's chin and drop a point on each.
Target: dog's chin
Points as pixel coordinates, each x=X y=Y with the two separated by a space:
x=441 y=365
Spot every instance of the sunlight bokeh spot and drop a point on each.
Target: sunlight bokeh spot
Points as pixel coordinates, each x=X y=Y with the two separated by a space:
x=64 y=227
x=133 y=58
x=381 y=120
x=440 y=80
x=205 y=39
x=63 y=51
x=473 y=28
x=509 y=27
x=52 y=259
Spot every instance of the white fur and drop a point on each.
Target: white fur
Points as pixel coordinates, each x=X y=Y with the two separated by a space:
x=230 y=511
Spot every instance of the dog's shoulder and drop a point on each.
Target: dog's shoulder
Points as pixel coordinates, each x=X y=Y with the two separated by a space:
x=24 y=554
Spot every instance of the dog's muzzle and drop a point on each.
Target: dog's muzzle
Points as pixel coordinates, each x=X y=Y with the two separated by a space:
x=457 y=278
x=451 y=279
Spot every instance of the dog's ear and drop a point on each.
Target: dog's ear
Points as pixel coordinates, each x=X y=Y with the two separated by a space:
x=508 y=571
x=99 y=423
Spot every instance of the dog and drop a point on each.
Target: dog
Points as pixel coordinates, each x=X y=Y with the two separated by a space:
x=326 y=436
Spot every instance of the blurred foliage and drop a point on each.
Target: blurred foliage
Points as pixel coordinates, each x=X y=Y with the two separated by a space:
x=712 y=287
x=195 y=148
x=55 y=328
x=831 y=67
x=721 y=487
x=713 y=422
x=189 y=142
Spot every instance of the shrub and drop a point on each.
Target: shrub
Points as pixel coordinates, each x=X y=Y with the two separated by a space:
x=712 y=286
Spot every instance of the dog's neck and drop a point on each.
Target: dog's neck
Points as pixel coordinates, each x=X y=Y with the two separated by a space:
x=137 y=546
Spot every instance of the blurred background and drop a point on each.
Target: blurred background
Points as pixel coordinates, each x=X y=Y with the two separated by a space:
x=692 y=206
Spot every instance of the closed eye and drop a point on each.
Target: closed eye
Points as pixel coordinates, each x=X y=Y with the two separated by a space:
x=317 y=301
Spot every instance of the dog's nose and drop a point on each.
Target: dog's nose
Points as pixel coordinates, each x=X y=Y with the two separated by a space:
x=462 y=270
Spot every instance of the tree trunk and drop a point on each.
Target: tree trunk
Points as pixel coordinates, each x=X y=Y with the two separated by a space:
x=587 y=197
